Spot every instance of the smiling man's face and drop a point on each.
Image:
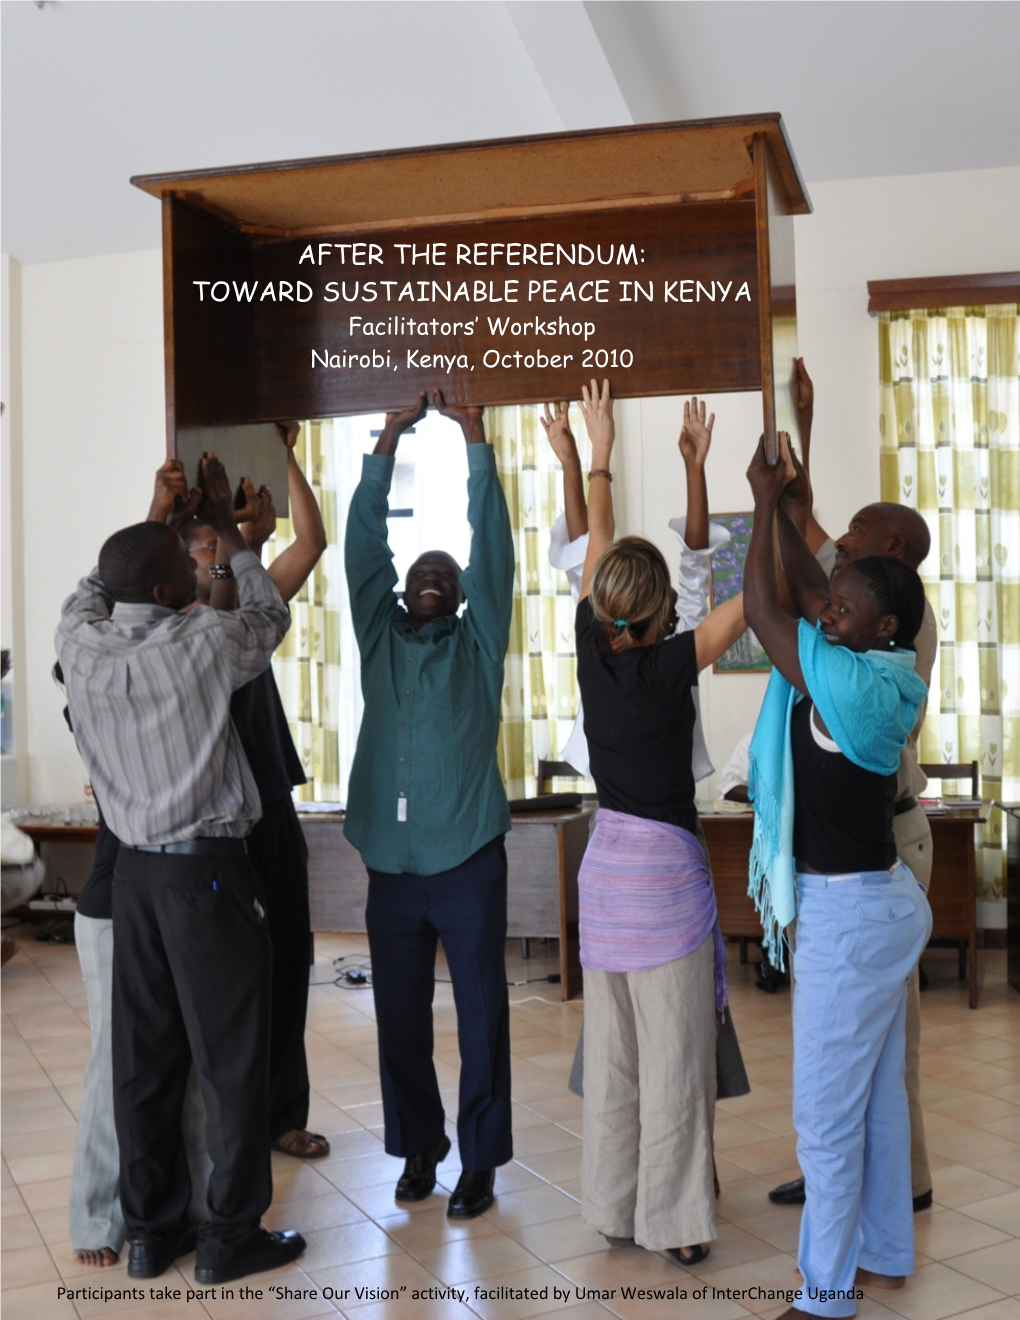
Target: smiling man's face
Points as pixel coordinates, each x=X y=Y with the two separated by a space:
x=432 y=588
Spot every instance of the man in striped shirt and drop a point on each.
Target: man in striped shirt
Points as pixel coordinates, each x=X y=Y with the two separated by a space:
x=149 y=694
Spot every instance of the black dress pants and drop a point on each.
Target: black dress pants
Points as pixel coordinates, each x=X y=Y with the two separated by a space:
x=465 y=907
x=279 y=854
x=191 y=971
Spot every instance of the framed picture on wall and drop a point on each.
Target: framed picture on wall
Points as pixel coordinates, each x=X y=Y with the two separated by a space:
x=745 y=656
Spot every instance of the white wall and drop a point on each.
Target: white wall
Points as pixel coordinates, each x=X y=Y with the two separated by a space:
x=94 y=433
x=92 y=365
x=13 y=774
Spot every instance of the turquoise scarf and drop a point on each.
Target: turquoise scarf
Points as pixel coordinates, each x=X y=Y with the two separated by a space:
x=869 y=702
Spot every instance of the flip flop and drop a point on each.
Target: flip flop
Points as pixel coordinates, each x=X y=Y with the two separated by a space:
x=301 y=1145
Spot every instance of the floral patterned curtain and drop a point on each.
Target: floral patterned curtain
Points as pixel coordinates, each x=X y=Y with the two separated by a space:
x=950 y=426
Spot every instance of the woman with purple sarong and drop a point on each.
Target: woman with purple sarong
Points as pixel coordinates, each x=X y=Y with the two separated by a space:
x=649 y=933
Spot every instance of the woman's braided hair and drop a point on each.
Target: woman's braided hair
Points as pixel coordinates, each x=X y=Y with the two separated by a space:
x=897 y=590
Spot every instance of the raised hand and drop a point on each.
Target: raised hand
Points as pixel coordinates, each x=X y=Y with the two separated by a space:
x=217 y=503
x=469 y=419
x=246 y=501
x=289 y=433
x=173 y=502
x=556 y=425
x=767 y=479
x=802 y=388
x=597 y=409
x=260 y=527
x=696 y=436
x=400 y=421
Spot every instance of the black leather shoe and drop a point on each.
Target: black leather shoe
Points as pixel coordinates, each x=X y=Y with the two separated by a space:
x=791 y=1193
x=419 y=1177
x=473 y=1195
x=152 y=1254
x=923 y=1202
x=263 y=1251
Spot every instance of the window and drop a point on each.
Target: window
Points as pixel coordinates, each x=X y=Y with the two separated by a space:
x=950 y=423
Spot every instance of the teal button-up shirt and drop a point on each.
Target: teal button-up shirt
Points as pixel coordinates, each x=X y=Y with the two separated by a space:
x=425 y=789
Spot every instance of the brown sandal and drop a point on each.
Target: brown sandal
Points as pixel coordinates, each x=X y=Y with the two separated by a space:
x=302 y=1145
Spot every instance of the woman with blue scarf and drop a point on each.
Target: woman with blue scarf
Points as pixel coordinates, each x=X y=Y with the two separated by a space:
x=841 y=701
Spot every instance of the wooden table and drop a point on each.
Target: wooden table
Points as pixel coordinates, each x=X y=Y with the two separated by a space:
x=52 y=833
x=953 y=892
x=1011 y=810
x=543 y=849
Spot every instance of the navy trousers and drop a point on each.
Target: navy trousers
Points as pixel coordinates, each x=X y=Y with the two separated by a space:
x=406 y=915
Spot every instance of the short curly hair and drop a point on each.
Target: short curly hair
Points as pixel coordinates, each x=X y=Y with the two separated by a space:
x=134 y=561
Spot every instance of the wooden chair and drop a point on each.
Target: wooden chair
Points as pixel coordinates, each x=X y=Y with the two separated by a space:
x=548 y=771
x=955 y=770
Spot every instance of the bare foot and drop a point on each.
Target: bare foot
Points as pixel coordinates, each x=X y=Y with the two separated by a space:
x=100 y=1256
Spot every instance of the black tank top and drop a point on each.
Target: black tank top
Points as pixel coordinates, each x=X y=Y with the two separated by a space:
x=842 y=814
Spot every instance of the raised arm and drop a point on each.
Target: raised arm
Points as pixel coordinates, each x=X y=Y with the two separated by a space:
x=699 y=538
x=488 y=580
x=775 y=629
x=398 y=422
x=719 y=631
x=695 y=441
x=556 y=425
x=804 y=402
x=469 y=419
x=806 y=583
x=173 y=502
x=597 y=407
x=368 y=560
x=251 y=633
x=290 y=569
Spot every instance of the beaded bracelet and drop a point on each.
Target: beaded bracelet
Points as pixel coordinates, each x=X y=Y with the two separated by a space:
x=219 y=572
x=600 y=472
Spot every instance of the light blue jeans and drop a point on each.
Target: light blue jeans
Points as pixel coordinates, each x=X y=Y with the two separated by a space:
x=858 y=940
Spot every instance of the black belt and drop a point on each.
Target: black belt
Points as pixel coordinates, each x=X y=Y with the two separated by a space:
x=904 y=805
x=196 y=848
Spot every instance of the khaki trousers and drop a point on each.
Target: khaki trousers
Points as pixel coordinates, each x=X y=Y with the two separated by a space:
x=649 y=1102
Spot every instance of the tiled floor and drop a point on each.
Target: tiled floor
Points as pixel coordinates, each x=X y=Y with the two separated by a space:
x=359 y=1240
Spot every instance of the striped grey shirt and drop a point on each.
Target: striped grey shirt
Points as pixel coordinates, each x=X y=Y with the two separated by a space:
x=149 y=695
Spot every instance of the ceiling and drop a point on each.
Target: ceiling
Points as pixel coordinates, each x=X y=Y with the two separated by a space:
x=95 y=91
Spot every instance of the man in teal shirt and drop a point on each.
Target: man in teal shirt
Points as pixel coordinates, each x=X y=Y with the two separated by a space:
x=428 y=812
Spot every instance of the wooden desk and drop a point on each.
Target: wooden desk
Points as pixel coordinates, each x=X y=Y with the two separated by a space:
x=51 y=833
x=1011 y=810
x=953 y=893
x=543 y=849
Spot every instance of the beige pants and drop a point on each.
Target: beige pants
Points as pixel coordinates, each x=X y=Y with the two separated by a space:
x=913 y=843
x=649 y=1102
